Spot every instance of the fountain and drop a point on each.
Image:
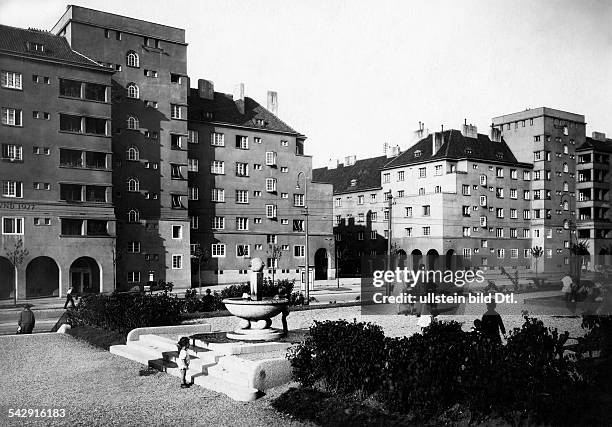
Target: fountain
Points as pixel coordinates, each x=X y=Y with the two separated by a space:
x=256 y=312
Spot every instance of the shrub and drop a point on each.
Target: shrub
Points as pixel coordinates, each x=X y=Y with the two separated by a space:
x=599 y=334
x=125 y=311
x=345 y=357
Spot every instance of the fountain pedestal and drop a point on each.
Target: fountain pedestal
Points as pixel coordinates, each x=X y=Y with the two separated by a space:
x=255 y=312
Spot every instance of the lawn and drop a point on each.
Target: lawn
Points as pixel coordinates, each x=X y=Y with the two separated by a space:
x=97 y=388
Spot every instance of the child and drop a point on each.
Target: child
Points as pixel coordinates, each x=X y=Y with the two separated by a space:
x=183 y=360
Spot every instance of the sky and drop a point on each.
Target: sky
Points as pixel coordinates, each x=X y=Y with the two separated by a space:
x=354 y=74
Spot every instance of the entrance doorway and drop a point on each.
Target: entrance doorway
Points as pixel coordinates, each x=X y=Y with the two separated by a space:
x=321 y=262
x=85 y=276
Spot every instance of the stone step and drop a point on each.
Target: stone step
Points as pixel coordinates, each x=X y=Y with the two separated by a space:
x=171 y=368
x=232 y=390
x=164 y=343
x=135 y=353
x=235 y=377
x=242 y=347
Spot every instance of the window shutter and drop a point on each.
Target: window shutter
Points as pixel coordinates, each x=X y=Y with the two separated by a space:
x=3 y=78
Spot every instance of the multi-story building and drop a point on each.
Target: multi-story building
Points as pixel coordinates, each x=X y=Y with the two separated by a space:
x=149 y=139
x=360 y=226
x=460 y=193
x=247 y=172
x=593 y=188
x=55 y=167
x=547 y=138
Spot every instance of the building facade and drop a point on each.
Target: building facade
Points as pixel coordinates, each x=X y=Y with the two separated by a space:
x=247 y=172
x=56 y=168
x=149 y=139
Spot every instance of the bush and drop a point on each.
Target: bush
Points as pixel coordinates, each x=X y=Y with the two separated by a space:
x=125 y=311
x=345 y=357
x=209 y=302
x=599 y=335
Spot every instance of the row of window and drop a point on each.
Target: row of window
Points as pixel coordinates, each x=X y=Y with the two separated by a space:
x=218 y=140
x=69 y=226
x=218 y=250
x=68 y=192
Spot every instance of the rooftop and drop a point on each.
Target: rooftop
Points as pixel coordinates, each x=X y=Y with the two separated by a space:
x=225 y=110
x=41 y=45
x=365 y=173
x=596 y=145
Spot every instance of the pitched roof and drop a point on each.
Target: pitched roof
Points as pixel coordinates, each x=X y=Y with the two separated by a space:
x=18 y=40
x=456 y=146
x=225 y=110
x=366 y=174
x=597 y=145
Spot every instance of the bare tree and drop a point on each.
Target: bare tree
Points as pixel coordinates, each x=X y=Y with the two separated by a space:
x=200 y=256
x=16 y=255
x=274 y=252
x=580 y=250
x=536 y=254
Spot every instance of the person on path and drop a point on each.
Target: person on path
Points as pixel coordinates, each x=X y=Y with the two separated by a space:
x=492 y=324
x=26 y=320
x=183 y=360
x=69 y=298
x=567 y=287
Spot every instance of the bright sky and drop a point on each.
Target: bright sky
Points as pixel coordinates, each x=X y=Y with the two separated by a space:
x=352 y=74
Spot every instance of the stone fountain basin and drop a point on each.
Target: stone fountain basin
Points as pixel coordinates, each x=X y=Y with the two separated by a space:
x=255 y=310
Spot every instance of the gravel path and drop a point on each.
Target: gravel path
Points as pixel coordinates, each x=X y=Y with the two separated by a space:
x=98 y=388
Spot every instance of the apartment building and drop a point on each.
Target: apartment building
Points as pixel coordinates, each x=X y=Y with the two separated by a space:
x=593 y=188
x=149 y=139
x=460 y=193
x=55 y=167
x=547 y=138
x=360 y=225
x=247 y=195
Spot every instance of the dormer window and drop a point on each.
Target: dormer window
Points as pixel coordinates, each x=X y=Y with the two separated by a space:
x=468 y=151
x=417 y=153
x=207 y=115
x=36 y=47
x=353 y=182
x=499 y=155
x=260 y=122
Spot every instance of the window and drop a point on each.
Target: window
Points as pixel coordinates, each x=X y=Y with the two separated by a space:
x=176 y=111
x=133 y=122
x=499 y=232
x=271 y=239
x=192 y=165
x=298 y=225
x=133 y=184
x=270 y=158
x=217 y=167
x=242 y=169
x=465 y=210
x=243 y=251
x=298 y=251
x=467 y=231
x=242 y=142
x=131 y=59
x=421 y=191
x=133 y=216
x=499 y=172
x=133 y=247
x=513 y=193
x=360 y=199
x=298 y=200
x=426 y=231
x=284 y=143
x=177 y=201
x=483 y=200
x=133 y=91
x=217 y=139
x=256 y=166
x=499 y=193
x=133 y=276
x=177 y=262
x=242 y=196
x=12 y=189
x=132 y=153
x=194 y=193
x=501 y=253
x=467 y=253
x=270 y=211
x=417 y=153
x=176 y=141
x=513 y=213
x=465 y=190
x=400 y=176
x=526 y=195
x=12 y=152
x=386 y=177
x=373 y=198
x=422 y=172
x=565 y=168
x=12 y=226
x=483 y=221
x=11 y=116
x=270 y=185
x=242 y=224
x=499 y=212
x=483 y=180
x=177 y=231
x=438 y=169
x=10 y=80
x=218 y=223
x=284 y=169
x=218 y=195
x=513 y=233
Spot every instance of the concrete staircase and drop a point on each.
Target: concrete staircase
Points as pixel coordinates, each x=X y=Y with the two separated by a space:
x=221 y=367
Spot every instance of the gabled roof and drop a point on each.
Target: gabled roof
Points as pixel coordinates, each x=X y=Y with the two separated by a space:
x=596 y=145
x=225 y=110
x=366 y=174
x=18 y=40
x=456 y=146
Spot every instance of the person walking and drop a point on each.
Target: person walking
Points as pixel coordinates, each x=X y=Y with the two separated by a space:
x=183 y=360
x=492 y=324
x=567 y=283
x=69 y=298
x=26 y=320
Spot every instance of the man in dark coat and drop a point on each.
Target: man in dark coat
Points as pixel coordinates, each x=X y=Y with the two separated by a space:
x=492 y=324
x=26 y=320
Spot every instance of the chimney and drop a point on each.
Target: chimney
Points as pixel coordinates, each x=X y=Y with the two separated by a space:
x=495 y=134
x=469 y=131
x=206 y=89
x=437 y=140
x=239 y=97
x=599 y=136
x=273 y=102
x=332 y=163
x=350 y=160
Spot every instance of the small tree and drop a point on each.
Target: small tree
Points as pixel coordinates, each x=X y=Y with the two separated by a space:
x=274 y=252
x=16 y=255
x=536 y=254
x=200 y=256
x=579 y=250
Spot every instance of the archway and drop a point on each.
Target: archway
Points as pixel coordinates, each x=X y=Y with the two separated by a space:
x=42 y=278
x=402 y=256
x=449 y=261
x=85 y=276
x=432 y=259
x=417 y=259
x=321 y=262
x=7 y=279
